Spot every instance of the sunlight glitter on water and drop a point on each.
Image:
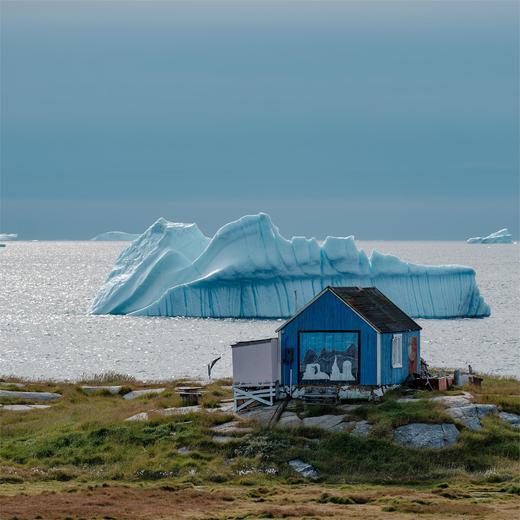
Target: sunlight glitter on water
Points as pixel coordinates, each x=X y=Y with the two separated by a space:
x=46 y=332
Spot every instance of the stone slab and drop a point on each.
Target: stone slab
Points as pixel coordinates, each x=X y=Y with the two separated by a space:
x=421 y=435
x=304 y=469
x=348 y=408
x=23 y=407
x=362 y=429
x=88 y=389
x=29 y=396
x=143 y=416
x=222 y=439
x=181 y=410
x=454 y=401
x=261 y=414
x=345 y=426
x=326 y=422
x=134 y=394
x=470 y=415
x=512 y=418
x=231 y=428
x=226 y=407
x=289 y=420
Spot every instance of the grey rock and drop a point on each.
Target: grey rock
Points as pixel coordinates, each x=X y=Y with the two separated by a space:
x=145 y=391
x=183 y=450
x=23 y=407
x=344 y=426
x=325 y=422
x=362 y=429
x=512 y=418
x=143 y=416
x=304 y=469
x=261 y=414
x=347 y=408
x=289 y=420
x=231 y=428
x=222 y=439
x=454 y=401
x=30 y=396
x=420 y=435
x=95 y=389
x=180 y=410
x=470 y=415
x=226 y=407
x=356 y=428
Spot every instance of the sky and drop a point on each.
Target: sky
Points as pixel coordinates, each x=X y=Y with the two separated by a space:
x=387 y=120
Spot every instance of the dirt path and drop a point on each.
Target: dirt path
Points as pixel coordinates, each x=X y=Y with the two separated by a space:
x=164 y=502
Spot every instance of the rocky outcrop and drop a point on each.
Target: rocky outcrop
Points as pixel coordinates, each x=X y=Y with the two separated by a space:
x=232 y=428
x=30 y=396
x=420 y=435
x=461 y=408
x=304 y=469
x=470 y=415
x=113 y=390
x=145 y=391
x=512 y=418
x=325 y=422
x=23 y=407
x=289 y=420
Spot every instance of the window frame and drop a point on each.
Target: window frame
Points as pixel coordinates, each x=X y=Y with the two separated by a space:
x=397 y=351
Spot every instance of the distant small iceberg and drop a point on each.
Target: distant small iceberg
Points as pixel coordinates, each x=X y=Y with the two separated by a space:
x=111 y=236
x=502 y=236
x=8 y=236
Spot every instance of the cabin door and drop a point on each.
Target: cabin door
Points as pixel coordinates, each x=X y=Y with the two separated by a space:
x=412 y=355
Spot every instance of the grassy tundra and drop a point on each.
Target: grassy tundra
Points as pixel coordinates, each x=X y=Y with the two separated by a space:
x=81 y=459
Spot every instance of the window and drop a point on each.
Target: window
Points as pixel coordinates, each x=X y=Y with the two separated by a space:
x=329 y=357
x=397 y=351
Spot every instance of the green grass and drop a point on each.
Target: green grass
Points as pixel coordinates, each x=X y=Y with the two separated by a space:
x=391 y=414
x=502 y=391
x=85 y=438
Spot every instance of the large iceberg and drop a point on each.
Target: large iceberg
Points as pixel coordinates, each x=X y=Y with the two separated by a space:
x=113 y=236
x=249 y=270
x=502 y=236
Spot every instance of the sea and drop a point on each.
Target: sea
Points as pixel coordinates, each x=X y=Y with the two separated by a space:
x=46 y=331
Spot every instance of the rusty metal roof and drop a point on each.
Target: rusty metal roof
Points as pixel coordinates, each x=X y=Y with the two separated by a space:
x=370 y=303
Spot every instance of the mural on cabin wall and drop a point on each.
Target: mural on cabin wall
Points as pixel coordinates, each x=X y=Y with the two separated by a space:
x=329 y=357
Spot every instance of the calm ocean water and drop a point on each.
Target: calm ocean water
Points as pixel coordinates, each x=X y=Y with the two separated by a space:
x=45 y=331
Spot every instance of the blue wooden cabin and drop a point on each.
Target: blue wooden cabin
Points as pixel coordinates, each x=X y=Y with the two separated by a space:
x=349 y=336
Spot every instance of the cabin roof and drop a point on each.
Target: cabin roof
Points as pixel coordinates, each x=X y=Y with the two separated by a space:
x=373 y=306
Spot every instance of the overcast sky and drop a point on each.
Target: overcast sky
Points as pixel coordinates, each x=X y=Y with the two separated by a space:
x=386 y=120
